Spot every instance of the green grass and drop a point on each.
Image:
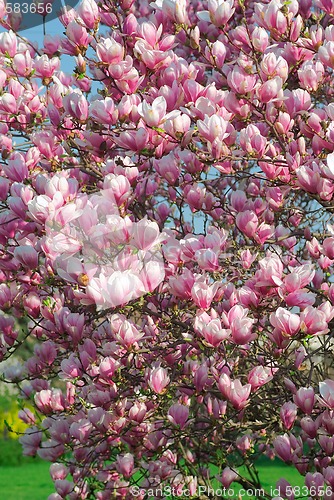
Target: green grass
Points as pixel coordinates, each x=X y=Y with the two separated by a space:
x=26 y=478
x=22 y=478
x=29 y=481
x=270 y=471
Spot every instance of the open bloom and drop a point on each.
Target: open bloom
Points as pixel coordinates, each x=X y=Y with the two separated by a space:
x=234 y=391
x=285 y=321
x=219 y=13
x=174 y=9
x=154 y=113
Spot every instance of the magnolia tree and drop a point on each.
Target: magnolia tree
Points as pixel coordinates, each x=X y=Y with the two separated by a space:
x=167 y=244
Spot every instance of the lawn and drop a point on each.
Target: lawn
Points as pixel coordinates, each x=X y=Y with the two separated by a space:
x=270 y=471
x=22 y=478
x=29 y=481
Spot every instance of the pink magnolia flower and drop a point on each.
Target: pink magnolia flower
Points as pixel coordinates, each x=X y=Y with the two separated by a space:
x=203 y=294
x=260 y=39
x=134 y=140
x=284 y=320
x=284 y=123
x=270 y=271
x=8 y=103
x=201 y=377
x=81 y=430
x=153 y=114
x=227 y=477
x=177 y=126
x=117 y=187
x=120 y=288
x=178 y=415
x=310 y=75
x=138 y=412
x=158 y=379
x=252 y=141
x=313 y=321
x=195 y=196
x=207 y=259
x=329 y=475
x=153 y=272
x=283 y=486
x=213 y=127
x=288 y=414
x=64 y=487
x=271 y=17
x=273 y=66
x=174 y=9
x=234 y=391
x=46 y=67
x=58 y=471
x=210 y=329
x=247 y=222
x=31 y=441
x=283 y=448
x=27 y=416
x=326 y=5
x=244 y=443
x=326 y=53
x=77 y=34
x=128 y=334
x=16 y=169
x=219 y=13
x=326 y=389
x=309 y=426
x=327 y=444
x=51 y=450
x=241 y=330
x=260 y=375
x=23 y=64
x=109 y=51
x=27 y=256
x=305 y=399
x=103 y=111
x=8 y=43
x=71 y=368
x=88 y=12
x=76 y=105
x=49 y=401
x=240 y=81
x=299 y=278
x=315 y=481
x=125 y=465
x=328 y=246
x=74 y=271
x=153 y=59
x=146 y=234
x=270 y=90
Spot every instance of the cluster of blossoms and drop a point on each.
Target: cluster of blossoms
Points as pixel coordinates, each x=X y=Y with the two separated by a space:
x=166 y=242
